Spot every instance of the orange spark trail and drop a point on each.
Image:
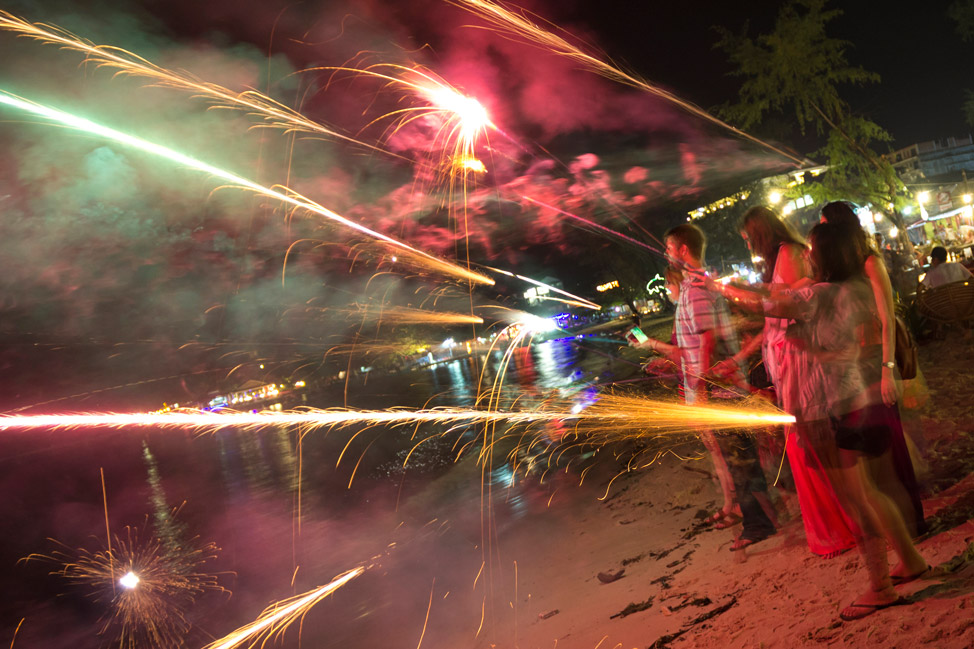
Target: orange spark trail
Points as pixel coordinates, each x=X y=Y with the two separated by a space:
x=518 y=25
x=595 y=225
x=409 y=315
x=275 y=114
x=280 y=615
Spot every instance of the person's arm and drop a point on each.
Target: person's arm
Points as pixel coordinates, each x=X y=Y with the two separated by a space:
x=671 y=352
x=728 y=367
x=774 y=302
x=883 y=294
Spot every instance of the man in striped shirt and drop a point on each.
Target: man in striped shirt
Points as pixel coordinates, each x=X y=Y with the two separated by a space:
x=705 y=337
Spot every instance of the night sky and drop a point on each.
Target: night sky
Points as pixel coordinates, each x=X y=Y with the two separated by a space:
x=913 y=46
x=125 y=267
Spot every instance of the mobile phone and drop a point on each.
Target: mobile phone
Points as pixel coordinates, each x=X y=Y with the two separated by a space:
x=638 y=334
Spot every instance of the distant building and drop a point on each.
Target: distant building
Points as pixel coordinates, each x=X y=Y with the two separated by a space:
x=934 y=160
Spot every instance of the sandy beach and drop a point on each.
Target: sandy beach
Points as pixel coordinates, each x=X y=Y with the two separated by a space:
x=632 y=565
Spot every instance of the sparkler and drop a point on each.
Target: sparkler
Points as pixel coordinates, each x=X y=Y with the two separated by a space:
x=282 y=194
x=519 y=26
x=279 y=616
x=147 y=588
x=610 y=412
x=275 y=115
x=462 y=120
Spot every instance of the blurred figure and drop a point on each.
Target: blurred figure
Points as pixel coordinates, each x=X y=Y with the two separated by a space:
x=942 y=271
x=705 y=337
x=847 y=426
x=828 y=529
x=878 y=363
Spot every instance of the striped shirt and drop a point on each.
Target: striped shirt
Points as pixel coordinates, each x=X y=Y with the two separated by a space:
x=697 y=312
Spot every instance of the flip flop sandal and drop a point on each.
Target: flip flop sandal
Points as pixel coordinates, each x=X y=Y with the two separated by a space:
x=856 y=611
x=905 y=579
x=716 y=517
x=742 y=543
x=730 y=520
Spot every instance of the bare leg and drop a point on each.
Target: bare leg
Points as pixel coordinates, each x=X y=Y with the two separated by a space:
x=889 y=518
x=847 y=481
x=720 y=467
x=880 y=521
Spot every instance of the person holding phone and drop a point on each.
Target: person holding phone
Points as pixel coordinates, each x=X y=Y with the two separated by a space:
x=670 y=351
x=705 y=337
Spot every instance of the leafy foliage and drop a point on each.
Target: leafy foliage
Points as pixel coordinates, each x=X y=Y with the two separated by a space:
x=962 y=13
x=797 y=65
x=798 y=68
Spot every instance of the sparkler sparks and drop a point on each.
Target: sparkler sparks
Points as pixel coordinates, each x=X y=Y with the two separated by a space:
x=282 y=194
x=276 y=115
x=129 y=580
x=159 y=585
x=625 y=412
x=521 y=27
x=281 y=615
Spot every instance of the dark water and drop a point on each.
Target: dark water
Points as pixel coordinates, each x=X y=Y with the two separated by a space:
x=281 y=507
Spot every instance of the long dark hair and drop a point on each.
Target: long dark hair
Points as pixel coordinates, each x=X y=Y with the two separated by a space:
x=766 y=232
x=835 y=255
x=842 y=214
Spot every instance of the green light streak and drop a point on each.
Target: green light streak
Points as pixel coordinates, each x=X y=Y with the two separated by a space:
x=82 y=124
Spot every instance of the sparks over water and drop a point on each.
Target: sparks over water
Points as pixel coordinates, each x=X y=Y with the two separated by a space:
x=284 y=195
x=145 y=588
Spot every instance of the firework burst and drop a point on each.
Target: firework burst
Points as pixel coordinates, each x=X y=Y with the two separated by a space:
x=146 y=587
x=521 y=26
x=461 y=121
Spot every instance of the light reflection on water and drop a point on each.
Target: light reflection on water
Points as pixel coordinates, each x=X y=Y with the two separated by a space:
x=241 y=490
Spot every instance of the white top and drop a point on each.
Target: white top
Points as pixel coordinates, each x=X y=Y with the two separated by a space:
x=946 y=273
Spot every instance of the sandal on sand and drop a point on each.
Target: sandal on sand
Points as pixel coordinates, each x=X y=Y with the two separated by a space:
x=905 y=579
x=716 y=517
x=743 y=542
x=729 y=520
x=856 y=611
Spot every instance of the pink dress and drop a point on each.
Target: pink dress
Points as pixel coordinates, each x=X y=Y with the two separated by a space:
x=828 y=528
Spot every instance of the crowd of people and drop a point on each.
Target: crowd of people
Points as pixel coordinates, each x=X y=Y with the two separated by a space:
x=828 y=351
